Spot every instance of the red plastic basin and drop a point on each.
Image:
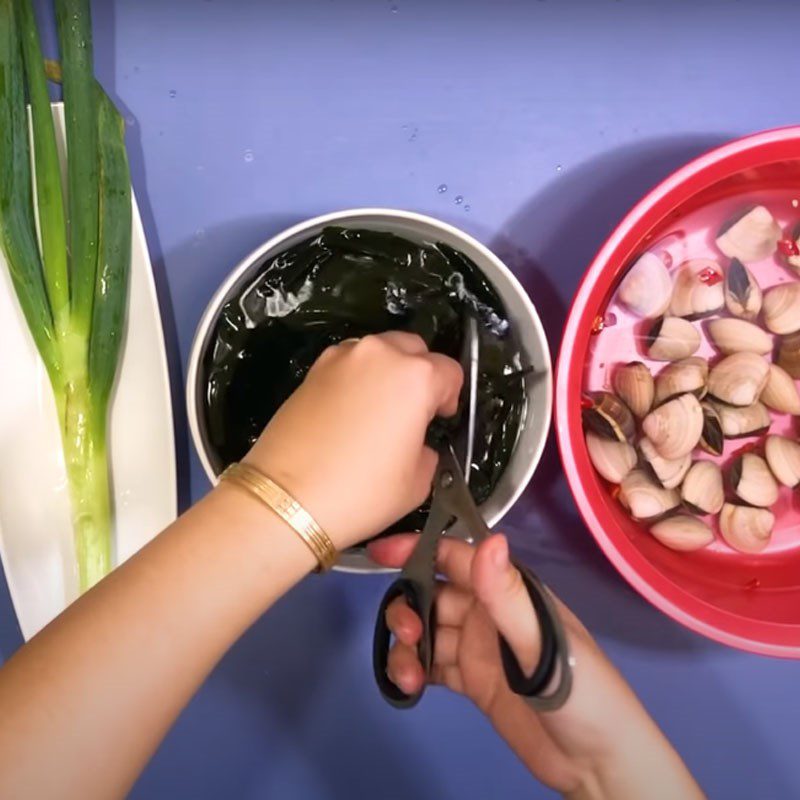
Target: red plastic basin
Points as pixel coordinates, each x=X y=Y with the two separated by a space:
x=747 y=601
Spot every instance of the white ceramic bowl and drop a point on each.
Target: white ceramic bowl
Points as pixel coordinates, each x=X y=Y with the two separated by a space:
x=419 y=228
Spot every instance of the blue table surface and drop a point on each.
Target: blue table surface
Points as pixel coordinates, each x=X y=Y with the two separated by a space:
x=548 y=120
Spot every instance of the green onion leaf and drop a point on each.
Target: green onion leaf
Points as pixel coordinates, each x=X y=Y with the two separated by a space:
x=17 y=223
x=80 y=101
x=114 y=252
x=49 y=193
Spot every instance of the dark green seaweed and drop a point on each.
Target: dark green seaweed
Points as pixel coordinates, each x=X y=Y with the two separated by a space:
x=344 y=283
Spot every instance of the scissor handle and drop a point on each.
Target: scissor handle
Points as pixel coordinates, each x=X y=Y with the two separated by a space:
x=420 y=601
x=554 y=659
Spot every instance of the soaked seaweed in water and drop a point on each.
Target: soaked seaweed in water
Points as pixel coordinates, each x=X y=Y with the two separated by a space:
x=344 y=283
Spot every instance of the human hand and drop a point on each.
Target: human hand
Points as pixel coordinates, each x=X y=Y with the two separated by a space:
x=350 y=442
x=601 y=744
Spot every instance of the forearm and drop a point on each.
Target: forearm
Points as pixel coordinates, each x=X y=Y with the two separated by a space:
x=632 y=758
x=602 y=745
x=646 y=765
x=99 y=687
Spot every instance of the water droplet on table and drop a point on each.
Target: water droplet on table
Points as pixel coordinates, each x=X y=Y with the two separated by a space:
x=248 y=155
x=559 y=168
x=131 y=121
x=198 y=237
x=173 y=94
x=458 y=200
x=441 y=188
x=413 y=137
x=393 y=9
x=467 y=207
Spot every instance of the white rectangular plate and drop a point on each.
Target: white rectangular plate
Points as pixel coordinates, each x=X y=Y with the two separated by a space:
x=36 y=544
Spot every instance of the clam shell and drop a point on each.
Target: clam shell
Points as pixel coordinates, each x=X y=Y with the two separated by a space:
x=745 y=528
x=753 y=482
x=691 y=295
x=743 y=295
x=671 y=339
x=738 y=379
x=675 y=427
x=669 y=472
x=789 y=355
x=739 y=336
x=783 y=457
x=609 y=417
x=751 y=236
x=683 y=533
x=781 y=393
x=712 y=439
x=612 y=459
x=781 y=308
x=702 y=489
x=741 y=421
x=687 y=375
x=644 y=498
x=633 y=383
x=646 y=288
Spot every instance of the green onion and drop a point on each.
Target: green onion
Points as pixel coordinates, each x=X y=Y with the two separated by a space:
x=73 y=297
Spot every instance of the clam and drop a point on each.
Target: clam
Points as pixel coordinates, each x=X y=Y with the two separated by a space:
x=669 y=472
x=633 y=383
x=609 y=417
x=712 y=439
x=738 y=379
x=746 y=528
x=742 y=292
x=739 y=336
x=675 y=427
x=789 y=355
x=781 y=308
x=644 y=498
x=751 y=479
x=740 y=421
x=612 y=459
x=702 y=491
x=780 y=393
x=679 y=377
x=671 y=338
x=783 y=457
x=683 y=532
x=698 y=289
x=646 y=288
x=751 y=236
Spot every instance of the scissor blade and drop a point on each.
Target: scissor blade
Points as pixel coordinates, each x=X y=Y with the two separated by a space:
x=421 y=564
x=469 y=363
x=457 y=501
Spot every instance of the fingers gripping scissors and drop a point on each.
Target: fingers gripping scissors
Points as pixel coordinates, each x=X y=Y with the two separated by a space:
x=551 y=682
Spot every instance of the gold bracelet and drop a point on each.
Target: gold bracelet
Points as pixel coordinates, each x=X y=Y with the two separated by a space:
x=287 y=508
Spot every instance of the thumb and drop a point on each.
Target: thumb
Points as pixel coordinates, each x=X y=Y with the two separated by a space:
x=499 y=587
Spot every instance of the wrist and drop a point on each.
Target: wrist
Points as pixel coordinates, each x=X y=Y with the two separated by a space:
x=263 y=533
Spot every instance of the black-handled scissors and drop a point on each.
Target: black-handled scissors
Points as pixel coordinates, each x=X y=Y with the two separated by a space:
x=451 y=501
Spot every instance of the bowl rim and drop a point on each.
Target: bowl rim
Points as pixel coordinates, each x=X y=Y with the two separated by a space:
x=342 y=216
x=756 y=636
